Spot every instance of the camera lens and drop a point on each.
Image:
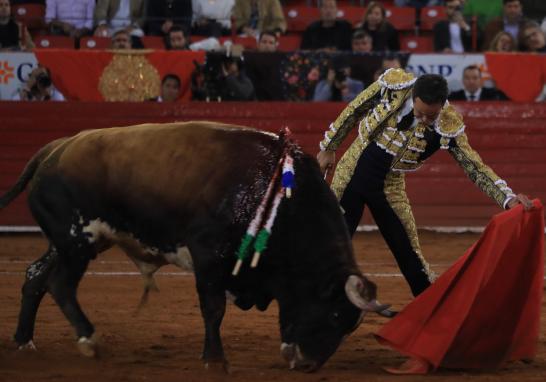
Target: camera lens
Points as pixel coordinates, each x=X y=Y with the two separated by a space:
x=44 y=80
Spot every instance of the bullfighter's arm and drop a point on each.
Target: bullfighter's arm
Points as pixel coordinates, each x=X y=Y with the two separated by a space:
x=349 y=118
x=481 y=174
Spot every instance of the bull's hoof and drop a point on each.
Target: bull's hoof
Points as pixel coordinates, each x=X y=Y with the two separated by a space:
x=87 y=346
x=219 y=366
x=28 y=346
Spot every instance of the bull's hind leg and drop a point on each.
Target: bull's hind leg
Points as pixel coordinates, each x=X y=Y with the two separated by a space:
x=63 y=287
x=33 y=291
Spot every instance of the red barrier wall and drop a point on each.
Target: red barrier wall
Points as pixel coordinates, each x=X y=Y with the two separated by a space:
x=510 y=137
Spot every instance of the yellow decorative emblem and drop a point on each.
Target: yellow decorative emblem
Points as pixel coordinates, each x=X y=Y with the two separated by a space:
x=129 y=77
x=396 y=79
x=450 y=123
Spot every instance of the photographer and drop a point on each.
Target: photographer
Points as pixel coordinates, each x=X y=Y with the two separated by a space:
x=233 y=82
x=454 y=35
x=39 y=87
x=338 y=84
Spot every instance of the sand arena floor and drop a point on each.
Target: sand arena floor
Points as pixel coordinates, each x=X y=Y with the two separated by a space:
x=164 y=341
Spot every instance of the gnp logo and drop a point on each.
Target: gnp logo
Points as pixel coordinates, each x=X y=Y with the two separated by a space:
x=6 y=72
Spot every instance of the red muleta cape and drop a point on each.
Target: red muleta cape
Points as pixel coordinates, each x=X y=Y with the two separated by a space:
x=485 y=309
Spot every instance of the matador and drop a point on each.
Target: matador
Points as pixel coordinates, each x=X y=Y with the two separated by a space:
x=402 y=121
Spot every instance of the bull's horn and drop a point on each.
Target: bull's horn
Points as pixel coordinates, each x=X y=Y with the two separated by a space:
x=353 y=289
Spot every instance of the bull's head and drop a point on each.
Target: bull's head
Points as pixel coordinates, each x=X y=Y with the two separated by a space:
x=312 y=331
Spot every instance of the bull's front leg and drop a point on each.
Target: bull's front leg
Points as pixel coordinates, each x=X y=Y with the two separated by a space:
x=213 y=306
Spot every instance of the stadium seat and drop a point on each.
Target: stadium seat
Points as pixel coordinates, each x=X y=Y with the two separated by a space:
x=430 y=16
x=32 y=15
x=153 y=42
x=417 y=44
x=352 y=14
x=402 y=18
x=289 y=43
x=248 y=42
x=55 y=42
x=94 y=43
x=298 y=17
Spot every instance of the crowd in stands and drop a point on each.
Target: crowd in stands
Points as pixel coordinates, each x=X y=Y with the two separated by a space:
x=356 y=26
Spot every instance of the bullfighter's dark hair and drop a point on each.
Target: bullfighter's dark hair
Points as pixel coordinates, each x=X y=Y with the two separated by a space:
x=431 y=89
x=472 y=67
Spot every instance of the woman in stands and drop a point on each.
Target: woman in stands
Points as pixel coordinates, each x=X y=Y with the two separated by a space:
x=13 y=35
x=503 y=42
x=384 y=35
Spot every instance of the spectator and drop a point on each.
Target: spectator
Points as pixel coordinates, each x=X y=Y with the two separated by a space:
x=328 y=33
x=535 y=9
x=121 y=40
x=453 y=35
x=39 y=87
x=113 y=15
x=72 y=18
x=170 y=89
x=510 y=21
x=484 y=10
x=161 y=15
x=268 y=42
x=503 y=42
x=176 y=39
x=361 y=42
x=472 y=88
x=384 y=35
x=212 y=18
x=532 y=38
x=338 y=84
x=390 y=62
x=234 y=83
x=13 y=35
x=253 y=17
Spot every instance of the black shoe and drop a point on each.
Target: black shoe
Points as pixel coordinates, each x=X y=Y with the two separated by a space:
x=387 y=313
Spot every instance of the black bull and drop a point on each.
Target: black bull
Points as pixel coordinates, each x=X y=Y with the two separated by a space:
x=156 y=190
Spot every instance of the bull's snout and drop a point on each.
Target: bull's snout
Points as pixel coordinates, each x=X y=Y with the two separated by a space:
x=296 y=360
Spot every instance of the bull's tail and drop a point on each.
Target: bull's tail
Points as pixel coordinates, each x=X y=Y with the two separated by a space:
x=27 y=174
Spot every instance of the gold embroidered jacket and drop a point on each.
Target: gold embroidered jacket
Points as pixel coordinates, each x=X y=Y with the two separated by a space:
x=376 y=112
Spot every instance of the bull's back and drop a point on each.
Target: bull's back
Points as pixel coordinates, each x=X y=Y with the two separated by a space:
x=174 y=164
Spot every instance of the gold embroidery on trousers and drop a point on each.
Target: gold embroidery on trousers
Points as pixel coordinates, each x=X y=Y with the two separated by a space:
x=396 y=197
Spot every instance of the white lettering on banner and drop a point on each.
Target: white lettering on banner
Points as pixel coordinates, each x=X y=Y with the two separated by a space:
x=450 y=66
x=14 y=70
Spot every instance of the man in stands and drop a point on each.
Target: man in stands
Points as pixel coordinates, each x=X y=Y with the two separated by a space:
x=170 y=89
x=72 y=18
x=121 y=40
x=176 y=39
x=472 y=88
x=328 y=33
x=511 y=21
x=162 y=15
x=454 y=35
x=361 y=42
x=268 y=42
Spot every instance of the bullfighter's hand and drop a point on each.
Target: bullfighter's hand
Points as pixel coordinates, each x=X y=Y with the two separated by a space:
x=326 y=160
x=521 y=199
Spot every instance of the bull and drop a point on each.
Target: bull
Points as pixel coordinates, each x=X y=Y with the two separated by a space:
x=158 y=190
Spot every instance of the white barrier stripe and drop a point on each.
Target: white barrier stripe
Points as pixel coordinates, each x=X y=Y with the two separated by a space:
x=364 y=227
x=184 y=274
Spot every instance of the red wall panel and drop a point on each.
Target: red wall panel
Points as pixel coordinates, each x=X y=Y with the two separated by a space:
x=510 y=137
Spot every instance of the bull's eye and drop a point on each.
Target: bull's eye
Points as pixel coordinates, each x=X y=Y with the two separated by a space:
x=334 y=318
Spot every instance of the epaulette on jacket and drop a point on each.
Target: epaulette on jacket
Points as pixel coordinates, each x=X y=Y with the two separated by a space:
x=450 y=125
x=396 y=79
